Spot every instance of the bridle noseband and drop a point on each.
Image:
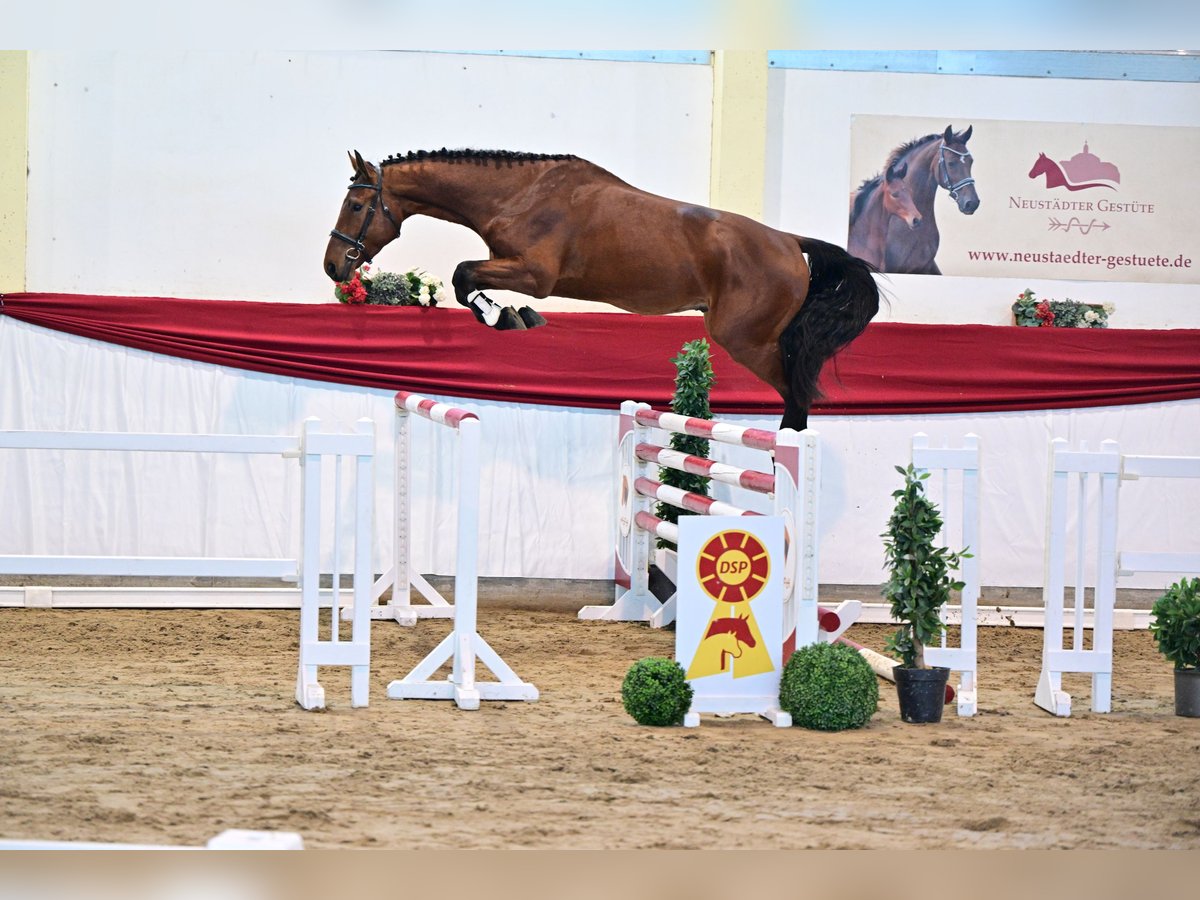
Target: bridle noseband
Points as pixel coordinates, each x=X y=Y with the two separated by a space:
x=356 y=244
x=944 y=173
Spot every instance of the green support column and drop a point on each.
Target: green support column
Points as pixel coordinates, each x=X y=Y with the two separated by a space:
x=14 y=146
x=739 y=131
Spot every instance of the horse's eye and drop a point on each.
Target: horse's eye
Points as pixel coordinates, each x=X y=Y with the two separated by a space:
x=356 y=207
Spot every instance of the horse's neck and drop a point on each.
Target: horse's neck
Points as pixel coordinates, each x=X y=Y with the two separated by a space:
x=457 y=192
x=875 y=212
x=923 y=178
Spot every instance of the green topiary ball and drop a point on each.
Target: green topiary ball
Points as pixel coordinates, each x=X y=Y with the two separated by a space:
x=655 y=692
x=828 y=687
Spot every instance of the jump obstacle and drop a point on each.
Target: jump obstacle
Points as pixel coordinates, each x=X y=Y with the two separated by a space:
x=464 y=645
x=793 y=488
x=1099 y=475
x=791 y=485
x=310 y=448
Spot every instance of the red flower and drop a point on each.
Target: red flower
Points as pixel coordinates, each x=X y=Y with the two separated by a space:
x=352 y=291
x=1044 y=314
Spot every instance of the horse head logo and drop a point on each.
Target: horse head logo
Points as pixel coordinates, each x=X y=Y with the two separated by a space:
x=1079 y=173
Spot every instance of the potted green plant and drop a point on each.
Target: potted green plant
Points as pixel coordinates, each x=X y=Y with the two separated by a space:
x=1176 y=630
x=918 y=586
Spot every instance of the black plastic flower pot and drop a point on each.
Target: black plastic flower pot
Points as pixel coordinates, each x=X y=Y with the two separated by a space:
x=1187 y=692
x=922 y=693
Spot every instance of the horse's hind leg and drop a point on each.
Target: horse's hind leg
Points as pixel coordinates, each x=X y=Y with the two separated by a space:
x=500 y=274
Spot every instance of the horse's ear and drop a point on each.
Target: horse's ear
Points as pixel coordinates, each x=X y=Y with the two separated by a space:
x=949 y=135
x=966 y=135
x=362 y=168
x=353 y=163
x=895 y=173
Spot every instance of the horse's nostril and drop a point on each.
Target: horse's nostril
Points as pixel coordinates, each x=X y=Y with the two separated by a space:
x=330 y=270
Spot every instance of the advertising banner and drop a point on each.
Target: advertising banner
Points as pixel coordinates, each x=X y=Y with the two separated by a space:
x=996 y=198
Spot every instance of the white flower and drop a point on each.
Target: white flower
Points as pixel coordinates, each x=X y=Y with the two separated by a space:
x=1091 y=316
x=1109 y=308
x=423 y=295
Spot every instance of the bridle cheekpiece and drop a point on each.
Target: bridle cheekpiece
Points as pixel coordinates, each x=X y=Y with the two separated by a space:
x=944 y=172
x=357 y=247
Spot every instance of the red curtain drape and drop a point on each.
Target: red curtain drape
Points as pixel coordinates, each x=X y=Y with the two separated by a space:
x=599 y=359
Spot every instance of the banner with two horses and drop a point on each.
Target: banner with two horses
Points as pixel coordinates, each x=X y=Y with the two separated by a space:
x=999 y=198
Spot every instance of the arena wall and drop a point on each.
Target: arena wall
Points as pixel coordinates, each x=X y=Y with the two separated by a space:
x=217 y=175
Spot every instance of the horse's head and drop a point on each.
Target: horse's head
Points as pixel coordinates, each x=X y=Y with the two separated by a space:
x=897 y=196
x=1040 y=166
x=954 y=169
x=364 y=225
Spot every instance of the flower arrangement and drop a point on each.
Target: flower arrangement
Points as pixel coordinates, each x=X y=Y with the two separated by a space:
x=1033 y=313
x=413 y=288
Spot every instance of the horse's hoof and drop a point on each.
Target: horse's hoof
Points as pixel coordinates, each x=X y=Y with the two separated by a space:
x=509 y=321
x=531 y=317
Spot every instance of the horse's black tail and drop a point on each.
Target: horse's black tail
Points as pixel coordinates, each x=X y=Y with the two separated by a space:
x=842 y=298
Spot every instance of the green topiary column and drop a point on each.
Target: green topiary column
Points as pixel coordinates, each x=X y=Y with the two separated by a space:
x=693 y=381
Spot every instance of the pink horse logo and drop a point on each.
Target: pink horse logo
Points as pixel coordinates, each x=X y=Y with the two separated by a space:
x=1080 y=172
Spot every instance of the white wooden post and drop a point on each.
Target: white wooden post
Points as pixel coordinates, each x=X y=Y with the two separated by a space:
x=964 y=657
x=335 y=651
x=633 y=600
x=1097 y=661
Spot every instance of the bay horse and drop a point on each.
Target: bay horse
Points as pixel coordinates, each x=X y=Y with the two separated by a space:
x=933 y=161
x=558 y=224
x=873 y=206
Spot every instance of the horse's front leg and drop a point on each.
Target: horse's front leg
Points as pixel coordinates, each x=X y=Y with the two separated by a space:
x=470 y=279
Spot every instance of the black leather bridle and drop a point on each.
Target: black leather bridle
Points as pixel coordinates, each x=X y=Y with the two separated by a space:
x=944 y=172
x=357 y=247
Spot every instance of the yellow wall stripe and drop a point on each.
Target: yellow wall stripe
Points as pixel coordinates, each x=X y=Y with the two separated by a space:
x=14 y=146
x=739 y=131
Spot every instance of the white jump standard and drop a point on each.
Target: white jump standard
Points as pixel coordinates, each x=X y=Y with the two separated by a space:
x=965 y=460
x=1107 y=467
x=464 y=645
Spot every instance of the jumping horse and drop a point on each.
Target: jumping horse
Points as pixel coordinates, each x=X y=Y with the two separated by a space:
x=873 y=206
x=558 y=224
x=930 y=162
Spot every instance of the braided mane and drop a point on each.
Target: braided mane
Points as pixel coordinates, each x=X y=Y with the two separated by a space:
x=476 y=157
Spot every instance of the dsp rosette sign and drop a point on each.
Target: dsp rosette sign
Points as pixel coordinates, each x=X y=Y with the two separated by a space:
x=729 y=630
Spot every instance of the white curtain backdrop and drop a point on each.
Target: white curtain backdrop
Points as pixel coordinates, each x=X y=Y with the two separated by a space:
x=548 y=504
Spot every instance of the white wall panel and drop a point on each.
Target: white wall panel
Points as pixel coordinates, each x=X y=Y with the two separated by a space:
x=219 y=174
